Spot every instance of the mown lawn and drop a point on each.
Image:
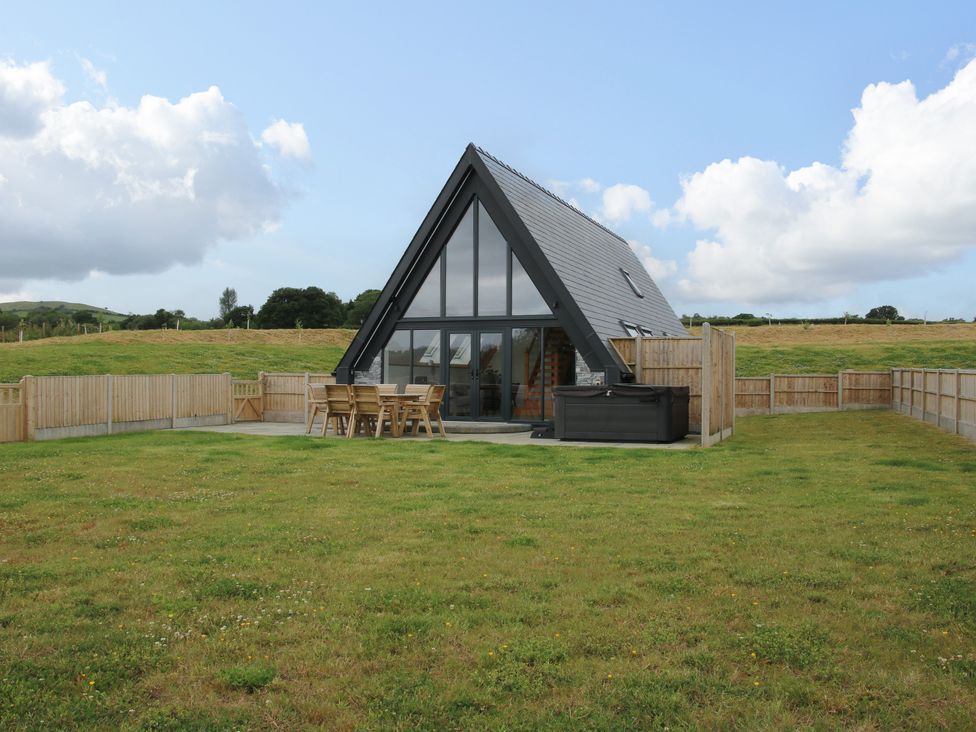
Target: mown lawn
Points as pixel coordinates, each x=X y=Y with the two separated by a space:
x=817 y=571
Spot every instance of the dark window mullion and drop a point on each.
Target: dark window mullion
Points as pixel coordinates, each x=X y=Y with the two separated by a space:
x=442 y=263
x=474 y=267
x=508 y=283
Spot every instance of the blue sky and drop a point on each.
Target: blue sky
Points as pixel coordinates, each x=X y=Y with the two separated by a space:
x=641 y=101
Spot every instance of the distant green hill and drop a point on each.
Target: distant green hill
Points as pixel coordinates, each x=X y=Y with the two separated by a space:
x=23 y=307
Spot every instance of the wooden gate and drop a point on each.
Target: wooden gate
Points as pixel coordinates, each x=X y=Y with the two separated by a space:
x=248 y=401
x=11 y=413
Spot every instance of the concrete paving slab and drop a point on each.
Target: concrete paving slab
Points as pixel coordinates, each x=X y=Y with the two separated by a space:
x=284 y=429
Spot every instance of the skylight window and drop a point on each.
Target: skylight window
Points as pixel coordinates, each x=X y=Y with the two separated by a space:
x=630 y=281
x=632 y=330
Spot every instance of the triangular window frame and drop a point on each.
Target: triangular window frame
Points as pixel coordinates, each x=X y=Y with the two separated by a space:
x=515 y=271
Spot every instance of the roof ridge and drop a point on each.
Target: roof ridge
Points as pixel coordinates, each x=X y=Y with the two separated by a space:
x=549 y=193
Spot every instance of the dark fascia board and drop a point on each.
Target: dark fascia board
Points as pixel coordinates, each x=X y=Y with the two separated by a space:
x=426 y=246
x=351 y=358
x=404 y=290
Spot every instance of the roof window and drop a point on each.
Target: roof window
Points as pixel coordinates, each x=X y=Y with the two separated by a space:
x=630 y=281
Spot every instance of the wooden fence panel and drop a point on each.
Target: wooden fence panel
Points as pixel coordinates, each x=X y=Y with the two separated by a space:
x=865 y=389
x=285 y=394
x=804 y=393
x=752 y=395
x=141 y=398
x=966 y=407
x=790 y=393
x=705 y=365
x=943 y=397
x=673 y=362
x=202 y=395
x=68 y=401
x=718 y=381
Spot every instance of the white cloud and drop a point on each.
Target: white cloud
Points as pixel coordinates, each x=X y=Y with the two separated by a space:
x=659 y=269
x=588 y=185
x=901 y=204
x=96 y=75
x=959 y=54
x=289 y=139
x=122 y=189
x=26 y=92
x=622 y=200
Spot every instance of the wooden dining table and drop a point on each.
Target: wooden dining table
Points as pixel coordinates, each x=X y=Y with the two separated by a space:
x=396 y=402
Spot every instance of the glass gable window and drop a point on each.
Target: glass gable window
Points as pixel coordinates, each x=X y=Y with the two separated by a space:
x=526 y=299
x=396 y=358
x=426 y=357
x=459 y=277
x=427 y=302
x=492 y=265
x=501 y=287
x=526 y=373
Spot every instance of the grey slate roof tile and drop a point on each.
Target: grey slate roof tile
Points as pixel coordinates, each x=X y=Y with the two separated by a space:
x=587 y=257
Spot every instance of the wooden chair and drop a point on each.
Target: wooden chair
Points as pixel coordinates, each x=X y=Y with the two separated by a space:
x=317 y=404
x=423 y=410
x=422 y=389
x=339 y=408
x=370 y=409
x=387 y=389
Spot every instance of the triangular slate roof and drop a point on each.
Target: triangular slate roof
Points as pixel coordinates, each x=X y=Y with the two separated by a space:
x=587 y=257
x=574 y=261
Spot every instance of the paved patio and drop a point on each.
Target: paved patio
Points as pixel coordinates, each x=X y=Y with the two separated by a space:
x=522 y=437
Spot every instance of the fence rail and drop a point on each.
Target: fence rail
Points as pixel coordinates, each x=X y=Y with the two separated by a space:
x=48 y=407
x=943 y=397
x=792 y=393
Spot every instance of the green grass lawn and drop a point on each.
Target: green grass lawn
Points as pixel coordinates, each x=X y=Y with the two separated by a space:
x=826 y=359
x=79 y=356
x=817 y=571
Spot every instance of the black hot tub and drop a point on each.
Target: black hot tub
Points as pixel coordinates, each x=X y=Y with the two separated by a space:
x=622 y=412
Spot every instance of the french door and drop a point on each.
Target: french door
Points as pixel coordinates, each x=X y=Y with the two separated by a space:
x=475 y=368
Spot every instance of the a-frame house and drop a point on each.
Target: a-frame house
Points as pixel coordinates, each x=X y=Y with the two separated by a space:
x=505 y=291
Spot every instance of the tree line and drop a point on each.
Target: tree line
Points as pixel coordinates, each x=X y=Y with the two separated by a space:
x=286 y=307
x=881 y=315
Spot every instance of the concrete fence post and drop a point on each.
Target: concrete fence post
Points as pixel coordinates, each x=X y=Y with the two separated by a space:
x=706 y=385
x=958 y=404
x=108 y=403
x=772 y=393
x=639 y=359
x=229 y=386
x=172 y=400
x=27 y=402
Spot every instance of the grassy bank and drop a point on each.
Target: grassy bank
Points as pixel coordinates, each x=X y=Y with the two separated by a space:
x=241 y=352
x=759 y=351
x=814 y=572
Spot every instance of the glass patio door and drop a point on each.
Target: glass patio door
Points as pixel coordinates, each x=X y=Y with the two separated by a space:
x=474 y=375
